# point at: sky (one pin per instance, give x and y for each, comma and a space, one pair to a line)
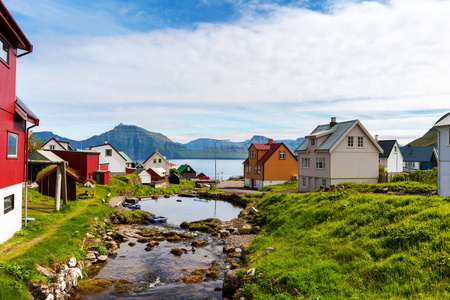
231, 69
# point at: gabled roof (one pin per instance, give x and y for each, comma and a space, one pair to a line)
156, 171
443, 121
335, 134
107, 144
418, 154
139, 171
12, 31
45, 156
127, 158
69, 173
245, 162
154, 153
387, 146
25, 112
183, 168
261, 146
52, 139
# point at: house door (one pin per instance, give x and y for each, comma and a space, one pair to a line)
97, 178
253, 183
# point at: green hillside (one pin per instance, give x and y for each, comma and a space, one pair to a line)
351, 245
429, 139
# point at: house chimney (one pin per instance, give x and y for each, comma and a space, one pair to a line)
376, 137
57, 139
333, 121
106, 142
270, 141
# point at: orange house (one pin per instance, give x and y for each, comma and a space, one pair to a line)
269, 164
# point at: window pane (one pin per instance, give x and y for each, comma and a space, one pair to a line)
4, 50
8, 203
12, 144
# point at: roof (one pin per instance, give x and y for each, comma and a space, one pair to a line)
102, 160
12, 31
443, 121
139, 171
44, 155
154, 153
183, 168
107, 144
261, 146
245, 162
387, 146
419, 154
25, 112
68, 172
157, 170
127, 158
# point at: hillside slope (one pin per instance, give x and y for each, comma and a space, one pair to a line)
428, 139
350, 245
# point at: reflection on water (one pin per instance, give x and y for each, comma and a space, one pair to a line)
153, 274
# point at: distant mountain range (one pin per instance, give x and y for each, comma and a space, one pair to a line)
139, 143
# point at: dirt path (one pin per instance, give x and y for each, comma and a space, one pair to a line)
235, 187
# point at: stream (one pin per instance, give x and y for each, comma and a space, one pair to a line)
154, 274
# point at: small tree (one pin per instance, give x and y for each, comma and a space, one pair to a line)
34, 143
174, 171
382, 174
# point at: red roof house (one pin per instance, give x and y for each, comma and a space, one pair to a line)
14, 115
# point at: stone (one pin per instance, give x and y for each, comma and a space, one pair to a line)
131, 244
246, 229
224, 234
107, 222
90, 235
102, 258
236, 232
199, 243
228, 249
46, 272
72, 262
184, 225
230, 229
256, 229
120, 237
250, 272
91, 256
217, 289
193, 279
234, 266
230, 283
176, 251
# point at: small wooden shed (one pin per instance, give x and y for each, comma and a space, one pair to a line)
187, 172
174, 178
47, 183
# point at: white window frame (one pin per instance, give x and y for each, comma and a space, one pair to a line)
304, 183
259, 169
16, 137
7, 209
312, 141
305, 162
320, 163
4, 51
256, 169
324, 182
252, 154
360, 142
108, 152
350, 142
282, 154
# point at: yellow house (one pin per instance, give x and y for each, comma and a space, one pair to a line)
268, 164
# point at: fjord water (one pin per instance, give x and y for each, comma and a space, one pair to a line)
225, 167
153, 274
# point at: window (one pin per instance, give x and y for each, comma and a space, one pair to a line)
159, 160
4, 51
189, 169
324, 182
249, 169
281, 155
395, 148
313, 142
305, 162
256, 169
259, 169
360, 142
154, 160
304, 182
320, 163
8, 202
108, 152
350, 143
52, 147
252, 154
12, 144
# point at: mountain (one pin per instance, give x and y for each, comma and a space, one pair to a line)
428, 139
139, 143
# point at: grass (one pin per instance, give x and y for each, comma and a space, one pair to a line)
55, 236
351, 245
288, 185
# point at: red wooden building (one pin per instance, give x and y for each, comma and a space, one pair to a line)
83, 162
14, 115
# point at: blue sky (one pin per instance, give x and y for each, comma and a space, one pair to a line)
234, 68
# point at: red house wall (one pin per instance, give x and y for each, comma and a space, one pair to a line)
82, 162
11, 168
104, 167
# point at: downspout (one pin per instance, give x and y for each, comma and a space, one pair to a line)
26, 170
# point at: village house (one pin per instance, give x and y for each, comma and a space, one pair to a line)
419, 158
337, 152
146, 178
14, 115
186, 172
55, 144
157, 160
116, 162
391, 158
443, 128
267, 164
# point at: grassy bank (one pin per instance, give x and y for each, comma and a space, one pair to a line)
56, 236
351, 245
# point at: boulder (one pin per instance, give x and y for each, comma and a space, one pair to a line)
199, 243
176, 251
246, 229
102, 258
48, 273
184, 225
132, 200
230, 283
224, 234
229, 249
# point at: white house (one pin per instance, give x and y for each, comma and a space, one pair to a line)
116, 162
391, 158
157, 160
55, 144
146, 178
443, 128
337, 152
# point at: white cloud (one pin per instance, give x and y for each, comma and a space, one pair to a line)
281, 74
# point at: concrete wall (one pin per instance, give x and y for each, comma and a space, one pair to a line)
12, 220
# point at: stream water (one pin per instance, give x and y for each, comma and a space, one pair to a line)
153, 274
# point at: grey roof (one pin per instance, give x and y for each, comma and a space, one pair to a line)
444, 120
339, 130
419, 154
387, 146
139, 171
44, 155
26, 109
127, 158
